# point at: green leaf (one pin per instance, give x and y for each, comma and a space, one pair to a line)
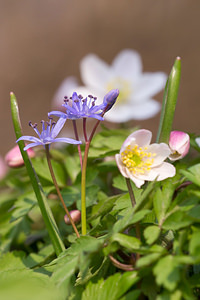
112, 288
149, 287
104, 206
41, 167
72, 165
26, 284
149, 259
162, 199
192, 174
23, 205
78, 256
194, 246
141, 202
129, 219
129, 242
177, 295
167, 272
122, 202
151, 234
177, 220
133, 295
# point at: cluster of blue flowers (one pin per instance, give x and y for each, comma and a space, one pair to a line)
77, 107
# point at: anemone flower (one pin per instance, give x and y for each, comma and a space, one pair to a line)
140, 161
136, 88
50, 130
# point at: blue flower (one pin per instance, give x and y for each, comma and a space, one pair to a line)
48, 134
78, 107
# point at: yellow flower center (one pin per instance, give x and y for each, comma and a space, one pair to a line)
124, 87
137, 159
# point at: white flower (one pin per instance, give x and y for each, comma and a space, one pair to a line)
125, 73
140, 161
179, 143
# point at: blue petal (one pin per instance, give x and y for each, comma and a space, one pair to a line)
58, 114
28, 138
59, 125
66, 140
32, 145
95, 116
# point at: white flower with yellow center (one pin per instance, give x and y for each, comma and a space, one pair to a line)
140, 161
136, 88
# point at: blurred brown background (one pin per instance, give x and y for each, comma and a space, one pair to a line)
42, 42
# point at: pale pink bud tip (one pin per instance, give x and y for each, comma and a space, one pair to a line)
14, 158
179, 143
75, 215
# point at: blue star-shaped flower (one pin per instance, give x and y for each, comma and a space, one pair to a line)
78, 107
48, 134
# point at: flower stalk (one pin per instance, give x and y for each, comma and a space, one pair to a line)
58, 190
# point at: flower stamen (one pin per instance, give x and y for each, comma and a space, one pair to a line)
137, 159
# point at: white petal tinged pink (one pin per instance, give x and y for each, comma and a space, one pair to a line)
140, 137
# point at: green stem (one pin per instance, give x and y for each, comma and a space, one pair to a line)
58, 190
130, 190
137, 225
169, 102
83, 192
46, 212
84, 168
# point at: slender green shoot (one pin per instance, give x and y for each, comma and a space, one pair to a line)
169, 102
46, 212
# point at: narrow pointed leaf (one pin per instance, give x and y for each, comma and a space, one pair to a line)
42, 201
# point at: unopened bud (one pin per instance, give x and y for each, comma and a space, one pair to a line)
14, 158
3, 168
179, 143
110, 98
75, 215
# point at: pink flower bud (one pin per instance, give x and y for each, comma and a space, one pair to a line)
14, 158
3, 168
75, 215
179, 143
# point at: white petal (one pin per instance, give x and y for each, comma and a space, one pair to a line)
138, 181
133, 111
127, 64
67, 87
197, 140
160, 172
95, 73
140, 137
162, 151
121, 167
149, 84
